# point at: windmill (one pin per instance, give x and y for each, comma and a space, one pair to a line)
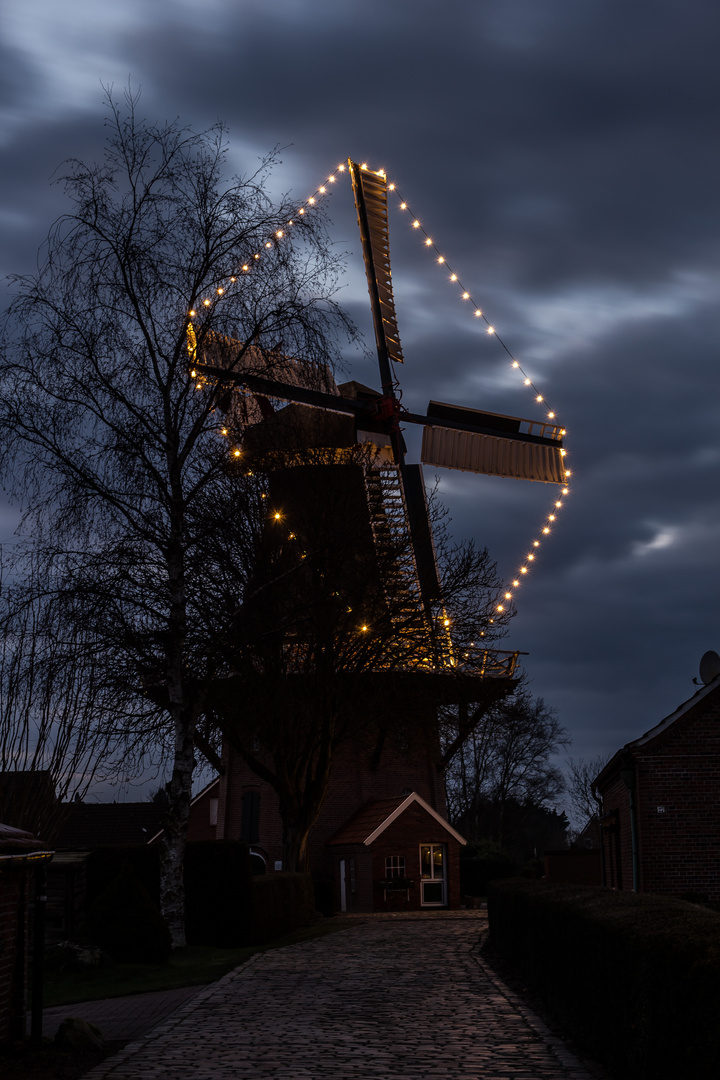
454, 437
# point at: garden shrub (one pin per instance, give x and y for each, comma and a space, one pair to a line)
634, 977
125, 922
481, 862
218, 893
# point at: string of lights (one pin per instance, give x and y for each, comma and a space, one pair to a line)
323, 190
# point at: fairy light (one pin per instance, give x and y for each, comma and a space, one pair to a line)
441, 260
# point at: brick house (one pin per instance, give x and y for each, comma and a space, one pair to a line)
380, 820
661, 812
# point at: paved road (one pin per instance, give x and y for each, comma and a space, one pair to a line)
384, 999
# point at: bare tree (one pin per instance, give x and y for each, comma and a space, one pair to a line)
506, 758
110, 449
61, 726
583, 803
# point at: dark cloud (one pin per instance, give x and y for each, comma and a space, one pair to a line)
563, 157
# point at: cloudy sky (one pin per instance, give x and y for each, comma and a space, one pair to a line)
563, 156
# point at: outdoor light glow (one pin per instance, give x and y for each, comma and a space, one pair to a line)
491, 329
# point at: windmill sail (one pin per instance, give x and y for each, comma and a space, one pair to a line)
490, 443
370, 191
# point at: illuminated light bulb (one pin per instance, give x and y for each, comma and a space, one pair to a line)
291, 222
311, 200
301, 210
539, 397
477, 313
531, 557
220, 292
279, 233
551, 416
546, 530
491, 329
508, 596
256, 256
551, 516
558, 504
568, 473
441, 259
224, 431
236, 453
536, 543
523, 569
499, 608
527, 382
193, 314
515, 363
233, 279
562, 453
392, 187
562, 430
453, 277
276, 516
403, 206
446, 622
291, 536
364, 628
364, 165
566, 491
516, 583
341, 168
246, 267
331, 179
416, 224
321, 190
466, 296
206, 303
268, 244
428, 242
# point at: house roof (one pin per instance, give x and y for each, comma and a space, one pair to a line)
613, 765
18, 842
375, 816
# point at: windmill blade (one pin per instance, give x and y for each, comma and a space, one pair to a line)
493, 444
370, 191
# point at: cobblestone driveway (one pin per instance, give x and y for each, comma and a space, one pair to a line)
384, 999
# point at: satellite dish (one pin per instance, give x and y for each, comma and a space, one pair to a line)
709, 666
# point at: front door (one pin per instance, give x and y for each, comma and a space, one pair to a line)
433, 884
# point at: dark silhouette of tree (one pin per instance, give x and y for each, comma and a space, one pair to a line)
109, 447
504, 770
583, 803
328, 645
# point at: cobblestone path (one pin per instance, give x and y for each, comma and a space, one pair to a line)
384, 999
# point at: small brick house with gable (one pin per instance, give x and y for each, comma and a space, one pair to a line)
376, 824
661, 804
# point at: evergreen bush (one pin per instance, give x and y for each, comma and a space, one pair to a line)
218, 893
125, 922
634, 977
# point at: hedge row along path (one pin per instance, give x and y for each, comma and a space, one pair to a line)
389, 998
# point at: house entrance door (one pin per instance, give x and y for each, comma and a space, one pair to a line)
433, 874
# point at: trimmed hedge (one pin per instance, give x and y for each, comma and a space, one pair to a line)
125, 922
281, 903
634, 977
225, 904
218, 893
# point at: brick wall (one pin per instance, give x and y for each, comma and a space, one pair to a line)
678, 806
401, 770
